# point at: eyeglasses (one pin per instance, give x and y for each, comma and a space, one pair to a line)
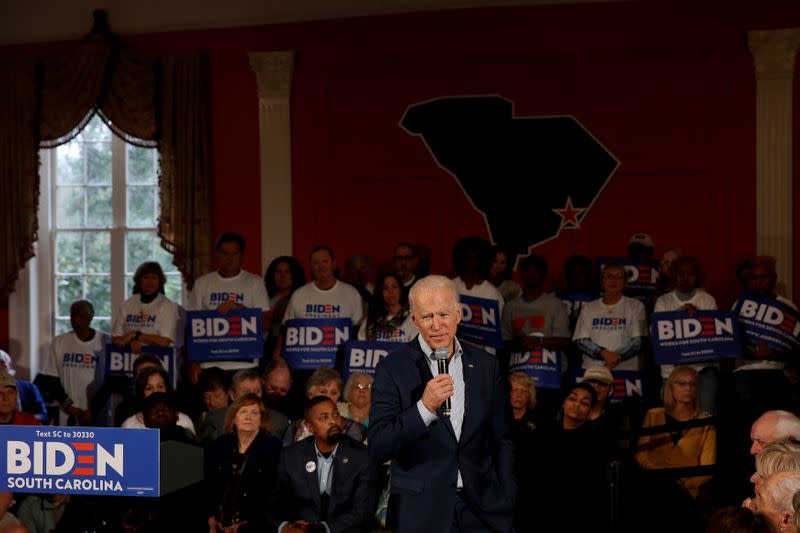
362, 386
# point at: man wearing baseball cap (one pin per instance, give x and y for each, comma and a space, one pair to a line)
9, 415
641, 246
613, 418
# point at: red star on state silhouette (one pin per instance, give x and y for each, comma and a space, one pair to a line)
569, 215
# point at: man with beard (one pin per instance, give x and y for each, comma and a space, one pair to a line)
326, 483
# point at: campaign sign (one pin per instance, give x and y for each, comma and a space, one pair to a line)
627, 385
480, 321
543, 365
682, 339
573, 301
119, 361
78, 460
770, 320
364, 356
215, 336
642, 274
309, 343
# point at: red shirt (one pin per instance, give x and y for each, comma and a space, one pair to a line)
21, 418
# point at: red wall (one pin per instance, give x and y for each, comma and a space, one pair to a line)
669, 90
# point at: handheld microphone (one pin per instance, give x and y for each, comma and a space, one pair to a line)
440, 354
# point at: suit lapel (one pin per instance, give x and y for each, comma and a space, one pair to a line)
312, 477
472, 400
425, 375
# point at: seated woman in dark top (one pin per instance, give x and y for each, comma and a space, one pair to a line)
241, 467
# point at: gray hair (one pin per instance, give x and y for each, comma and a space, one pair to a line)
778, 456
430, 283
782, 488
786, 424
351, 381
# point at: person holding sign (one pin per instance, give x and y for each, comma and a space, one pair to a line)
147, 317
388, 317
472, 261
611, 329
230, 287
687, 277
449, 472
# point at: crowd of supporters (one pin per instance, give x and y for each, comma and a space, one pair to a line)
286, 450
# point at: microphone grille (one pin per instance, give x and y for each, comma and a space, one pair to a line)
440, 353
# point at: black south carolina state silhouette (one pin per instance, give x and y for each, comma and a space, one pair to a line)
530, 176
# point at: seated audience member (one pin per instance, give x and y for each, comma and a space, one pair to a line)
9, 522
280, 392
572, 455
284, 276
247, 381
29, 398
325, 483
523, 435
120, 389
778, 456
614, 420
325, 381
537, 320
149, 381
501, 274
773, 426
241, 468
774, 497
159, 411
615, 341
736, 519
230, 287
9, 398
214, 385
388, 317
688, 295
678, 447
42, 513
358, 395
147, 317
67, 374
472, 259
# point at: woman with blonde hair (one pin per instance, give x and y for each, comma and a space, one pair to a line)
677, 446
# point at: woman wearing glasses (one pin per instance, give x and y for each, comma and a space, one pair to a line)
611, 329
358, 395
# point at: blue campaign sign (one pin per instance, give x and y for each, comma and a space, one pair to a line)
309, 343
706, 336
77, 460
543, 365
627, 385
119, 361
364, 356
480, 321
642, 274
770, 320
573, 301
215, 336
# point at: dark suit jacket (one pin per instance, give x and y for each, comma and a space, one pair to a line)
426, 460
351, 506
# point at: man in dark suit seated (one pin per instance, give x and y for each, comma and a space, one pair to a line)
451, 470
326, 483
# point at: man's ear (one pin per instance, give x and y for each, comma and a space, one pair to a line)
787, 522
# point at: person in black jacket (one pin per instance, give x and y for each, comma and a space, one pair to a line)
240, 468
328, 480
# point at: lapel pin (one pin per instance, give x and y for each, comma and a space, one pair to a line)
346, 460
470, 365
311, 466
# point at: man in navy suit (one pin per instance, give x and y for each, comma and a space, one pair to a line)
326, 482
449, 473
